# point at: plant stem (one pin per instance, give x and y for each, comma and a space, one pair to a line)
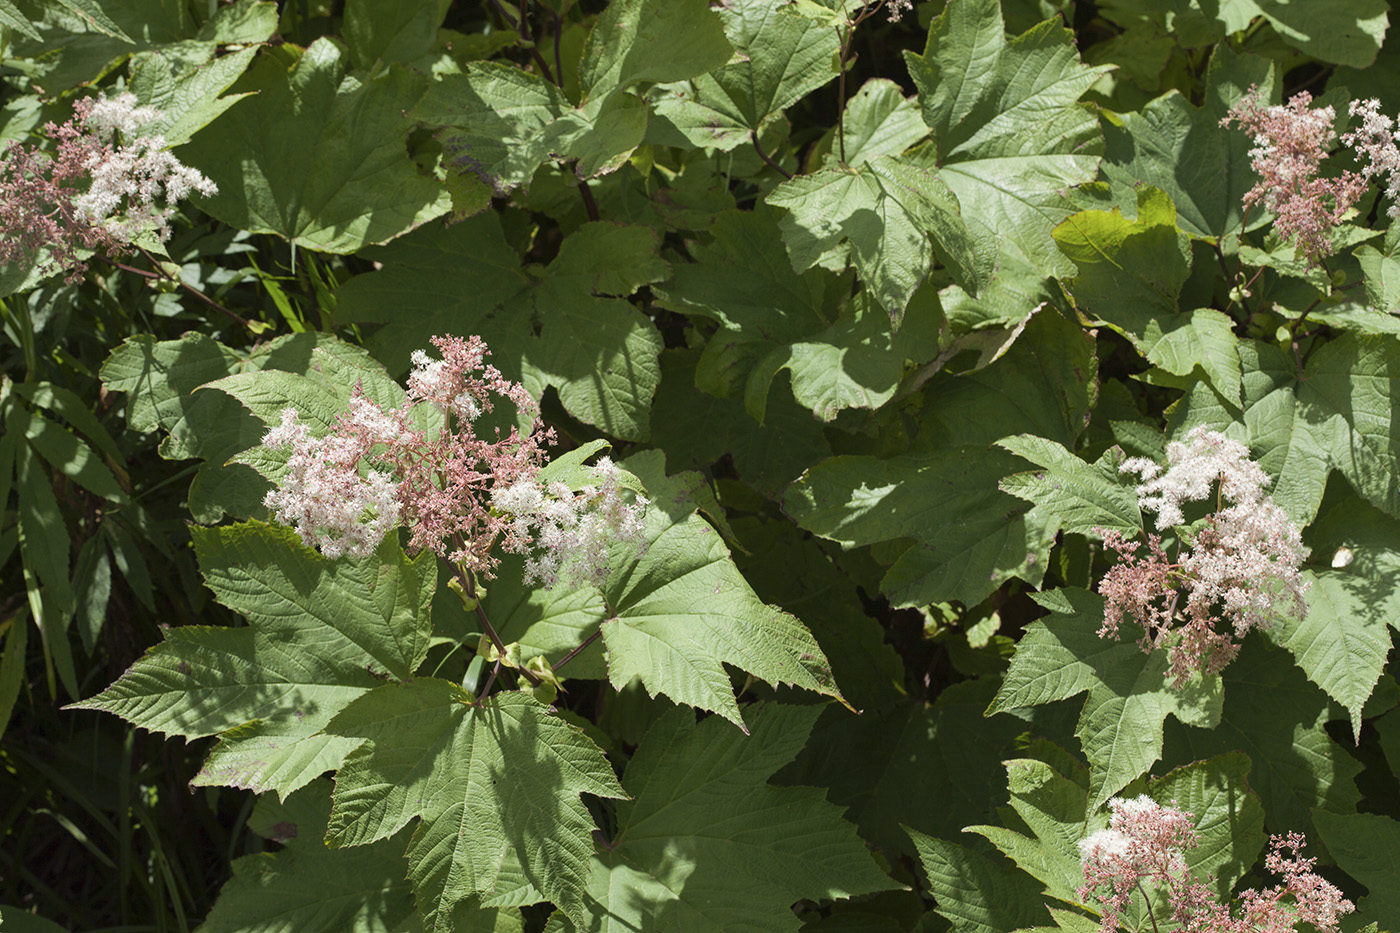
589, 205
579, 650
161, 273
1148, 902
753, 135
840, 96
490, 680
470, 589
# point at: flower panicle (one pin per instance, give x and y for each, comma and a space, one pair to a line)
464, 495
1146, 845
1241, 570
106, 184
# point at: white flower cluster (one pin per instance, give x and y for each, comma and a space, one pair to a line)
1192, 471
574, 529
131, 179
1375, 143
1248, 555
332, 507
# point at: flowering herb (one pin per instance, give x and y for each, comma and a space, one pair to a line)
1239, 570
460, 494
1145, 845
105, 186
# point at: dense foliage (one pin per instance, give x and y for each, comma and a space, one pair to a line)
672, 465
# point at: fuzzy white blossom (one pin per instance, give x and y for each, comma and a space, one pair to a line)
324, 497
1193, 469
135, 181
572, 531
1374, 142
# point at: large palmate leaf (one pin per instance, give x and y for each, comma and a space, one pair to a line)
772, 319
682, 611
977, 893
483, 779
310, 888
706, 844
500, 124
779, 59
1277, 718
886, 210
948, 750
1056, 816
1337, 416
968, 535
187, 103
1128, 693
600, 352
439, 279
1183, 150
1130, 272
1344, 639
1345, 32
1084, 498
318, 156
1364, 846
1008, 134
320, 634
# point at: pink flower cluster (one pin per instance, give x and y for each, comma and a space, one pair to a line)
1146, 843
459, 493
1241, 567
103, 186
1290, 142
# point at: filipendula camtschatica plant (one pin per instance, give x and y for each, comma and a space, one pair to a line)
464, 496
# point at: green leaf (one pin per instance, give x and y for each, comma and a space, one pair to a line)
978, 894
1277, 718
600, 353
1056, 812
318, 156
481, 779
1343, 640
187, 102
439, 279
66, 453
1229, 816
1364, 845
1182, 149
682, 611
651, 41
713, 846
1128, 695
502, 124
1130, 272
773, 319
695, 429
384, 31
969, 535
885, 209
779, 59
306, 887
1344, 32
12, 667
1038, 377
1205, 339
947, 749
12, 17
879, 121
321, 633
1009, 137
546, 622
1080, 496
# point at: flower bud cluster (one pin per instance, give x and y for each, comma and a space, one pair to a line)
103, 187
461, 494
1146, 843
1242, 567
